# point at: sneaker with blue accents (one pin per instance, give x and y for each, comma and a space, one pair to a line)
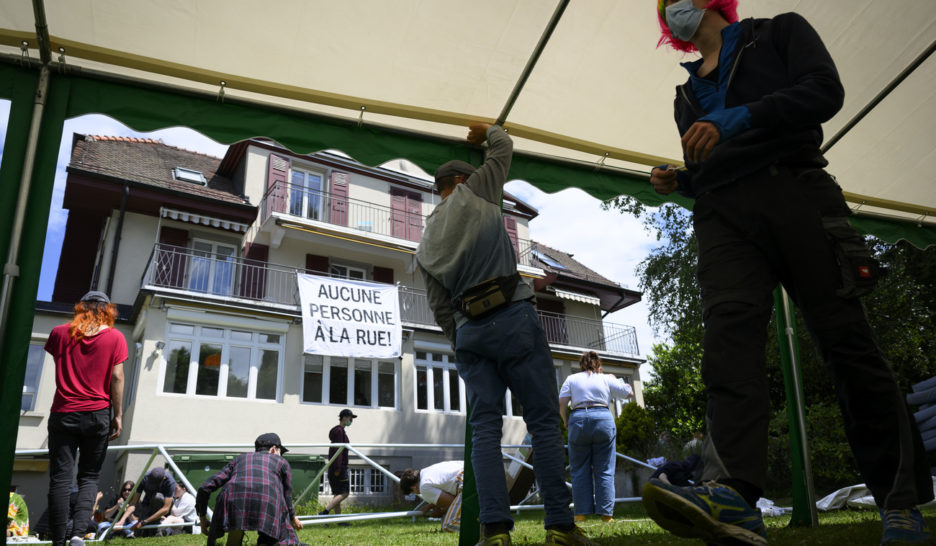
905, 527
712, 512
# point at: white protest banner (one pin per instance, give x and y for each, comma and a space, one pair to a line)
349, 318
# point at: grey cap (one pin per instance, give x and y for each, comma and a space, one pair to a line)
94, 295
268, 440
454, 167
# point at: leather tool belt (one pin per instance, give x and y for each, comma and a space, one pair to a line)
487, 297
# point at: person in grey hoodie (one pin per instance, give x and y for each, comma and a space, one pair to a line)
486, 312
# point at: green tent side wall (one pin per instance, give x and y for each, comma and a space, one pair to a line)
146, 109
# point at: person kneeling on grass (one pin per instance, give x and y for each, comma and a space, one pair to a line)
257, 497
440, 485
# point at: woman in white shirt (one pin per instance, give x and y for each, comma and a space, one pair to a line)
592, 435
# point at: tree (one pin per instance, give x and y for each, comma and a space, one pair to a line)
901, 310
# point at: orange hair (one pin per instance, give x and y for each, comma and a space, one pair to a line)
90, 315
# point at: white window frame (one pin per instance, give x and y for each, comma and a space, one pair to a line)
212, 267
36, 351
351, 365
348, 269
304, 201
445, 366
189, 175
366, 475
226, 341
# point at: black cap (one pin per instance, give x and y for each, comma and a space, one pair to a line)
268, 440
94, 295
454, 167
346, 413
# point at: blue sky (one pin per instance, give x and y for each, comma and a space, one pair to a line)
571, 221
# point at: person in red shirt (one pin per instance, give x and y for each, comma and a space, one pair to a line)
86, 411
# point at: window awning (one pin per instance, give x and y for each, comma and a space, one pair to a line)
577, 296
202, 219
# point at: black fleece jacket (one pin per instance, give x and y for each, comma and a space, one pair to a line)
785, 76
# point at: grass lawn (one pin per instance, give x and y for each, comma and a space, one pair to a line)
631, 526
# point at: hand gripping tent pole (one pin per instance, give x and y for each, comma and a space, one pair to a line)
471, 510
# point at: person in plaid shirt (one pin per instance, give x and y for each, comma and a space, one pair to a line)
258, 497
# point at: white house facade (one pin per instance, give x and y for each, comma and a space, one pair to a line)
202, 255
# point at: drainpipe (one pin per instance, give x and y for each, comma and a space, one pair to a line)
99, 253
11, 267
116, 246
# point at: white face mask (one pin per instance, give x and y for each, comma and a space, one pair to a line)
683, 19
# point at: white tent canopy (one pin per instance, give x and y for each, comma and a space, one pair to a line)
600, 87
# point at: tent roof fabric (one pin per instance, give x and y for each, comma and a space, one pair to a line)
599, 94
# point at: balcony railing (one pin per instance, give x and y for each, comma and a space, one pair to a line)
193, 272
203, 273
321, 206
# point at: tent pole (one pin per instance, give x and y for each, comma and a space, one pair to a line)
528, 69
804, 495
11, 267
880, 96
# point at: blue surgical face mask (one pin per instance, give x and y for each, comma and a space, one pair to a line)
683, 19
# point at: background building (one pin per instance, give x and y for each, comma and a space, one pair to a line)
201, 256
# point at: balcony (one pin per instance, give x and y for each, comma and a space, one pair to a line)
319, 206
187, 272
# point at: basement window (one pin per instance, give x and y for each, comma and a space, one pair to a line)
189, 175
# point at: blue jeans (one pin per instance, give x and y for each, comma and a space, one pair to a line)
509, 350
592, 457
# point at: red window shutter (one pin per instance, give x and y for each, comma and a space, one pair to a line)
406, 214
338, 213
316, 264
510, 223
383, 274
397, 213
277, 184
171, 258
254, 271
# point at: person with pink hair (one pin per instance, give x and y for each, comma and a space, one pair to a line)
766, 212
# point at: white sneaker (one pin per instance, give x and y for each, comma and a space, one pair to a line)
76, 541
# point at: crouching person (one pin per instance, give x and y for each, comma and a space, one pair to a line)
257, 497
440, 485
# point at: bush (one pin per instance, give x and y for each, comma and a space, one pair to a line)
833, 465
636, 432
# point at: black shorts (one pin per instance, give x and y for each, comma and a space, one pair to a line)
338, 482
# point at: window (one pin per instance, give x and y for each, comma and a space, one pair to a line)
341, 381
131, 372
34, 358
212, 268
222, 362
346, 272
189, 175
362, 481
547, 260
367, 481
305, 194
438, 387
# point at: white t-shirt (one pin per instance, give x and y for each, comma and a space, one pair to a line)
184, 507
586, 388
435, 479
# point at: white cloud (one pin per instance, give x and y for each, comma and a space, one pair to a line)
606, 241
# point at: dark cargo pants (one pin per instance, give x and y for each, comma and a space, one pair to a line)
752, 234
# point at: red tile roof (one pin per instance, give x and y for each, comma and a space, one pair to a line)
150, 162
